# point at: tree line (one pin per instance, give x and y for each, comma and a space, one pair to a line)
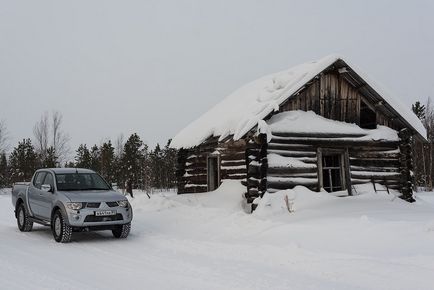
423, 156
129, 161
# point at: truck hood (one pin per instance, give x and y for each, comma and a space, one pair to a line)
93, 195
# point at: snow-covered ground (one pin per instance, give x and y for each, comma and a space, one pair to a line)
206, 241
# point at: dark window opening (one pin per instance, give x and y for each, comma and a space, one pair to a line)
213, 173
368, 118
332, 172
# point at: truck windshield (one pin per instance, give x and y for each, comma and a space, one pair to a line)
80, 181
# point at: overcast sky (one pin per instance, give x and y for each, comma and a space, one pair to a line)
152, 67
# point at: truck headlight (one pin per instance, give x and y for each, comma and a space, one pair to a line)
74, 205
123, 203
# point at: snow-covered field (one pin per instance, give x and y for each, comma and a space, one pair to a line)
206, 241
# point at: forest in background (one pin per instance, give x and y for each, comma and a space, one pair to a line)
129, 160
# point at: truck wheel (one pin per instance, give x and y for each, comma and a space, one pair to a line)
122, 231
23, 221
62, 232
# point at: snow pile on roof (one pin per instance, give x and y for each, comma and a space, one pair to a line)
239, 112
309, 122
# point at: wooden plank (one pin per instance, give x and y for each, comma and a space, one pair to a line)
288, 153
290, 170
376, 176
374, 168
291, 183
374, 162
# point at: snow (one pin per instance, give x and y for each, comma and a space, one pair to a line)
309, 122
207, 241
241, 111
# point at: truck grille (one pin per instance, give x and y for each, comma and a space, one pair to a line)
93, 204
94, 219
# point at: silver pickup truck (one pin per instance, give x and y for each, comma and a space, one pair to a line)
71, 199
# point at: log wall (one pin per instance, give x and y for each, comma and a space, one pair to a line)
192, 164
368, 161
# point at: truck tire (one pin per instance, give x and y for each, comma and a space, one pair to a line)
62, 232
23, 221
122, 231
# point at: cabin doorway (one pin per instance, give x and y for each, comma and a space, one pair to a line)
213, 174
332, 171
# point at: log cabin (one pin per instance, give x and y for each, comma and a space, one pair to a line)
323, 125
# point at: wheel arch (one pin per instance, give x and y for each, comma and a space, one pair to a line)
59, 207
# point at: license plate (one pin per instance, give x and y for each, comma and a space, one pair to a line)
105, 212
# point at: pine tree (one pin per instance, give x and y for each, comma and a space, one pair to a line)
23, 161
4, 174
83, 158
107, 158
157, 163
94, 158
419, 110
146, 169
170, 156
50, 160
131, 159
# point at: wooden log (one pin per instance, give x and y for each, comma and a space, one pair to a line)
290, 170
285, 183
233, 162
376, 176
233, 171
253, 182
374, 154
235, 156
374, 162
283, 174
195, 165
288, 153
241, 176
196, 171
290, 147
374, 168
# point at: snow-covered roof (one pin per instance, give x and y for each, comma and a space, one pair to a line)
241, 111
308, 122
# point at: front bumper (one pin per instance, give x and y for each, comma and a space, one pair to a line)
86, 217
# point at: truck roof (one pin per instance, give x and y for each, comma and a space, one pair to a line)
68, 170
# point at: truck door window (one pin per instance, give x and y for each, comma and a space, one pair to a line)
37, 182
49, 180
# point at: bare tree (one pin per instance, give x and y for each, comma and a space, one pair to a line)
40, 132
119, 145
60, 139
50, 136
4, 135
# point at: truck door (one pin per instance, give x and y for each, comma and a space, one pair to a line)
35, 193
47, 197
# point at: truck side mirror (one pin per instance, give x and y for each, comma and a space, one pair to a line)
46, 188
